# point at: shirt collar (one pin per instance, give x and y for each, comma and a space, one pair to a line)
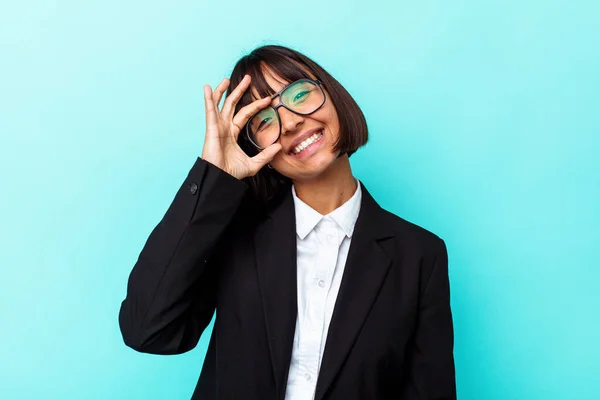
345, 215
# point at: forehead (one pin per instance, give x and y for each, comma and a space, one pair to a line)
268, 82
275, 82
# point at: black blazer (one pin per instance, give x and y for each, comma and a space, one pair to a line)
391, 333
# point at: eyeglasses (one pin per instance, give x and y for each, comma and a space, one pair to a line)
303, 97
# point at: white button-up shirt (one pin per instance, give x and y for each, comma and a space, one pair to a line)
322, 248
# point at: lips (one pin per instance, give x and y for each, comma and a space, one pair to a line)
307, 143
301, 138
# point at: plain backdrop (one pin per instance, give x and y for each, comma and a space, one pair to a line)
484, 121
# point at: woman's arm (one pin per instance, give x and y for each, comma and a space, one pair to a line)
431, 374
171, 292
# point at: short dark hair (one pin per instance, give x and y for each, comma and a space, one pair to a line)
291, 65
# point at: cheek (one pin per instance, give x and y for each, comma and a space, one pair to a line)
278, 160
330, 118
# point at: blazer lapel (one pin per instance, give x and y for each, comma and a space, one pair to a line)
366, 267
275, 245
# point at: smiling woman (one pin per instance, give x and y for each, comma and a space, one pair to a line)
283, 75
319, 293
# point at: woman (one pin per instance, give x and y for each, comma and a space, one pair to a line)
319, 293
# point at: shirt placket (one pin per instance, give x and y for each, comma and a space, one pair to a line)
328, 246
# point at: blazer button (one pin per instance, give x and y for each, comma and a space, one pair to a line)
193, 188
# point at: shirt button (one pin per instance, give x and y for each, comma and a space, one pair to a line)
193, 188
307, 376
330, 238
322, 283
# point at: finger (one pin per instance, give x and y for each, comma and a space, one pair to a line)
246, 112
219, 90
234, 97
209, 107
265, 156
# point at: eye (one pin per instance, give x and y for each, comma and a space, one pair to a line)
301, 95
263, 123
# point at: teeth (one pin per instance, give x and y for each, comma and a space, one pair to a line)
308, 142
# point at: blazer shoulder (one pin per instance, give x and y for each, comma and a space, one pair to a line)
412, 234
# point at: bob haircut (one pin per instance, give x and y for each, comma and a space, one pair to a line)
268, 184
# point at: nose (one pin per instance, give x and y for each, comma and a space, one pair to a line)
289, 120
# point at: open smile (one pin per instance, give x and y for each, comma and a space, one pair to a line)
307, 145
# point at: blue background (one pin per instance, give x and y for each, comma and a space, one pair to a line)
484, 121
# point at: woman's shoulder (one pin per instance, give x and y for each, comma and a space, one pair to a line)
406, 231
413, 234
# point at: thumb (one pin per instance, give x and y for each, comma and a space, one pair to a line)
265, 156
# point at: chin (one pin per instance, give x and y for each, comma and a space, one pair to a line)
306, 169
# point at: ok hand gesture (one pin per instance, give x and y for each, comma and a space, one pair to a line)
222, 130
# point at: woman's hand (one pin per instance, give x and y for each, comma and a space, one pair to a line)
222, 130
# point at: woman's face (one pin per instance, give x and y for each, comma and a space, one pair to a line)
314, 135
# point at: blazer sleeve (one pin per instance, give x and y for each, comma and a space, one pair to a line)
171, 291
431, 374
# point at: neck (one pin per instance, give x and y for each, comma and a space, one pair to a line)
330, 189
